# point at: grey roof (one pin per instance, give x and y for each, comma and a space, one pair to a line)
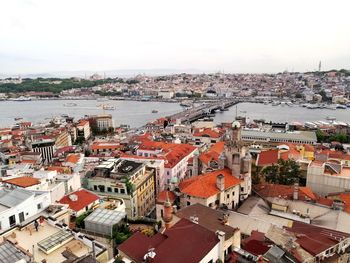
105, 217
297, 135
10, 253
13, 197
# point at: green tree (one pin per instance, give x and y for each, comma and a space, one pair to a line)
320, 136
284, 172
121, 233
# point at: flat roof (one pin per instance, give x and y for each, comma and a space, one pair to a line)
296, 135
28, 239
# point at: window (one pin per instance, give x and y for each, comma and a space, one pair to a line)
233, 193
95, 187
242, 189
188, 203
12, 220
38, 206
122, 191
109, 189
116, 190
228, 196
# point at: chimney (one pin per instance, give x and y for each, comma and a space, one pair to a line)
220, 182
221, 237
296, 191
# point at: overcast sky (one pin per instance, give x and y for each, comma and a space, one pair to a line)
39, 36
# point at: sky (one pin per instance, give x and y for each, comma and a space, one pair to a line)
236, 36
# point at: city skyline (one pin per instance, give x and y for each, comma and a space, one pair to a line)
234, 37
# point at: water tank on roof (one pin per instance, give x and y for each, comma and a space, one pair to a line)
73, 197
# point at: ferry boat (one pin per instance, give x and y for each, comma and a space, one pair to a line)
108, 107
70, 104
340, 106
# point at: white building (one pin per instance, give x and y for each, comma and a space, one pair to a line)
17, 205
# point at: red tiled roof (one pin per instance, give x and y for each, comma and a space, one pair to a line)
85, 198
83, 122
284, 191
213, 153
163, 195
105, 145
24, 181
173, 153
208, 133
183, 242
315, 239
204, 185
267, 157
73, 158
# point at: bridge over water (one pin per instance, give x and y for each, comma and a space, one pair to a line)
204, 110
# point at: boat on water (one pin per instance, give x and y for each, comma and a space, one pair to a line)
348, 105
186, 104
18, 119
70, 104
341, 106
275, 103
64, 116
102, 99
22, 98
266, 102
330, 107
331, 118
154, 111
108, 107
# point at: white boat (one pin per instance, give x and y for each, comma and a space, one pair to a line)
275, 103
70, 104
22, 98
108, 107
331, 118
330, 107
340, 106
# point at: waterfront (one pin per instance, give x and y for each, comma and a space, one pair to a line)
281, 113
137, 113
133, 113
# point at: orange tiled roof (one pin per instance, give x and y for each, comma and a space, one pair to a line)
73, 158
162, 196
24, 181
267, 157
83, 122
283, 191
213, 153
204, 186
207, 133
105, 145
173, 153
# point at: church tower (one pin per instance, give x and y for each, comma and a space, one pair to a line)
238, 159
168, 212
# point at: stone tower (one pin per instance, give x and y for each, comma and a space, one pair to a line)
168, 212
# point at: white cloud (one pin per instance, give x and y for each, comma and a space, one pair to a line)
238, 36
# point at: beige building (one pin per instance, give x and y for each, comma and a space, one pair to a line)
128, 180
328, 177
